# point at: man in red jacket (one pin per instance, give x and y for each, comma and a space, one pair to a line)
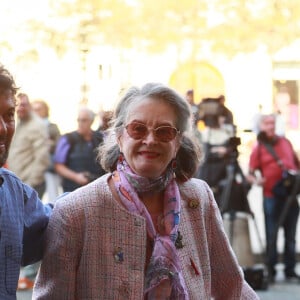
270, 156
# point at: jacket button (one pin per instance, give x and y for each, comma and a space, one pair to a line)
137, 222
194, 203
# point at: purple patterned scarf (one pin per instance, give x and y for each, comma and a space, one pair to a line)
164, 278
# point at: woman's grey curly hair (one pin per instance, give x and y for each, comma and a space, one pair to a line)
188, 155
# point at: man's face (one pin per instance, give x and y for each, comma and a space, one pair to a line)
268, 126
23, 108
7, 124
84, 122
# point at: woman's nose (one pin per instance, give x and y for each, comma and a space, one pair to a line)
150, 137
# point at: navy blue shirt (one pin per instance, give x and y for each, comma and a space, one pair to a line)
23, 220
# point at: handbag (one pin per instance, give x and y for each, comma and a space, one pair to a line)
284, 186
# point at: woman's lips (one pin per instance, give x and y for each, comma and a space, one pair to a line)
149, 154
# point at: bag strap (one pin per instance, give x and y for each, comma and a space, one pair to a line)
274, 154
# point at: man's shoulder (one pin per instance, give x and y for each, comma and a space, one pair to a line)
97, 133
284, 140
34, 119
36, 124
9, 174
72, 137
10, 179
53, 126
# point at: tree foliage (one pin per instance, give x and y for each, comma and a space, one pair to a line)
223, 26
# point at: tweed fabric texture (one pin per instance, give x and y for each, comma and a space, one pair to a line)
96, 249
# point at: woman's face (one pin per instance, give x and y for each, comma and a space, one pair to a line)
148, 156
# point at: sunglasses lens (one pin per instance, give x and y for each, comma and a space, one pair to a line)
165, 133
136, 130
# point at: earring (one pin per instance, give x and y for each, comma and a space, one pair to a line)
121, 157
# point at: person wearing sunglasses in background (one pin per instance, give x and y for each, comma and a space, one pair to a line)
146, 229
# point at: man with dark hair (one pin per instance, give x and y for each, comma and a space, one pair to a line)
23, 217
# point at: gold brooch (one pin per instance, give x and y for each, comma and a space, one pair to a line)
194, 203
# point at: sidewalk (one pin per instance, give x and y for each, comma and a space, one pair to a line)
282, 289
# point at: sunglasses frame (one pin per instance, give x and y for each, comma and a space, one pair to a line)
154, 132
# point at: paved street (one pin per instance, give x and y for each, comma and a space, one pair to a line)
282, 290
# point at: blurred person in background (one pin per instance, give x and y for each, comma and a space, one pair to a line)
266, 170
41, 108
215, 144
147, 229
75, 154
225, 112
189, 96
23, 217
29, 159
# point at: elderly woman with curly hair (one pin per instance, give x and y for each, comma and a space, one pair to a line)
146, 229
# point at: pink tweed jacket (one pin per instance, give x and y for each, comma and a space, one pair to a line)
96, 249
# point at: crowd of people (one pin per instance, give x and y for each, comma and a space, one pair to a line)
133, 209
271, 157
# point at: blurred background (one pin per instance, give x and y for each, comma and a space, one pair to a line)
75, 52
